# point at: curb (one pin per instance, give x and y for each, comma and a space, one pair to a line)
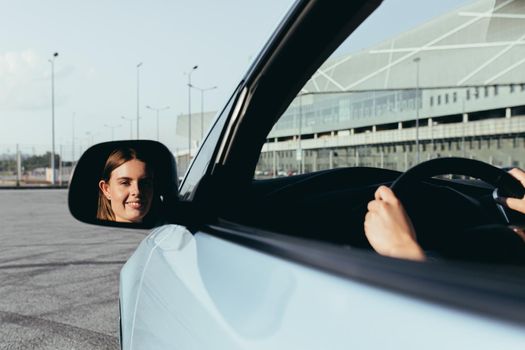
33, 187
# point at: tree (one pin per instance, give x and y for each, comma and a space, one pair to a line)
40, 161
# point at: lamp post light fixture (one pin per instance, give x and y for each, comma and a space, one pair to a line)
189, 111
112, 127
52, 61
158, 110
138, 97
130, 120
202, 106
417, 60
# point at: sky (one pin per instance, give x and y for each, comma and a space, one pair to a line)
100, 43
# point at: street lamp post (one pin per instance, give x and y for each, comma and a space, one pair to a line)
112, 127
73, 141
189, 112
301, 160
417, 60
202, 106
91, 138
130, 120
432, 125
158, 110
464, 119
52, 61
138, 97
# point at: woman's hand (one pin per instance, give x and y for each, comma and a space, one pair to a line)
517, 204
389, 229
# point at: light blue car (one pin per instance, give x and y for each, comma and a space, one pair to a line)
280, 260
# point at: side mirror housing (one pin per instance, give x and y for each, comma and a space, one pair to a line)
142, 201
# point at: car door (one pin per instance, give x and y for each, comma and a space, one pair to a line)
225, 288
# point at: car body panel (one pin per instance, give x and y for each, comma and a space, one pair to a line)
201, 292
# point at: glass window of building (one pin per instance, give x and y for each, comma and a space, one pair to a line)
390, 73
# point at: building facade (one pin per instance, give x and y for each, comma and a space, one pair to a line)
454, 86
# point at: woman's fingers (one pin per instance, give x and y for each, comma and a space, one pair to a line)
517, 204
371, 205
513, 203
519, 175
385, 193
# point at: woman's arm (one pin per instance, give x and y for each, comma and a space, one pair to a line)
391, 233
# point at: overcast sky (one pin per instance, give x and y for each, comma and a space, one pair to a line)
100, 43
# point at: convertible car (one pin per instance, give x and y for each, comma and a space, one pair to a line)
241, 257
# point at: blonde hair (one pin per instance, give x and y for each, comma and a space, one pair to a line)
116, 158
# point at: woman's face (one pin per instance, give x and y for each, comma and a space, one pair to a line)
129, 190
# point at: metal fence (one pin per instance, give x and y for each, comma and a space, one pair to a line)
30, 165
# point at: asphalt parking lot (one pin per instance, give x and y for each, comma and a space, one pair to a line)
59, 277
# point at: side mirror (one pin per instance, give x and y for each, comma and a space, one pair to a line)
125, 184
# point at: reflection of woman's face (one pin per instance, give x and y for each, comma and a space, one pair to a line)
130, 191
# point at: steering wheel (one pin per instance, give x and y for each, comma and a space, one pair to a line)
486, 243
505, 184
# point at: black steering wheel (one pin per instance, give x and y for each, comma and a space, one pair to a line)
486, 243
505, 185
